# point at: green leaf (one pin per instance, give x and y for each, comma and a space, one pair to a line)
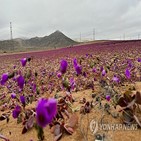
40, 132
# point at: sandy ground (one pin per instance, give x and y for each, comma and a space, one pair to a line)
12, 130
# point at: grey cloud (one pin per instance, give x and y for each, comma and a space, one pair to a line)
110, 18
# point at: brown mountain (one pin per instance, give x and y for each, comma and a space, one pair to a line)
54, 40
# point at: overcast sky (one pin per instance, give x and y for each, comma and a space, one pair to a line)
110, 18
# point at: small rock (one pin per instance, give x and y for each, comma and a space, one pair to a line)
93, 95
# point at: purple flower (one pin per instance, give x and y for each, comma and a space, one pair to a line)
103, 72
74, 62
115, 79
59, 74
23, 61
78, 69
63, 66
130, 65
127, 73
139, 59
101, 68
13, 95
43, 72
45, 111
20, 90
20, 81
108, 97
72, 83
22, 99
16, 111
14, 78
4, 78
41, 113
9, 86
14, 66
94, 70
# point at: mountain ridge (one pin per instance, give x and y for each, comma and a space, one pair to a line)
55, 40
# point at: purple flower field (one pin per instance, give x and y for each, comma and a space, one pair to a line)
53, 95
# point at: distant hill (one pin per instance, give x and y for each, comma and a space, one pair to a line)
54, 40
